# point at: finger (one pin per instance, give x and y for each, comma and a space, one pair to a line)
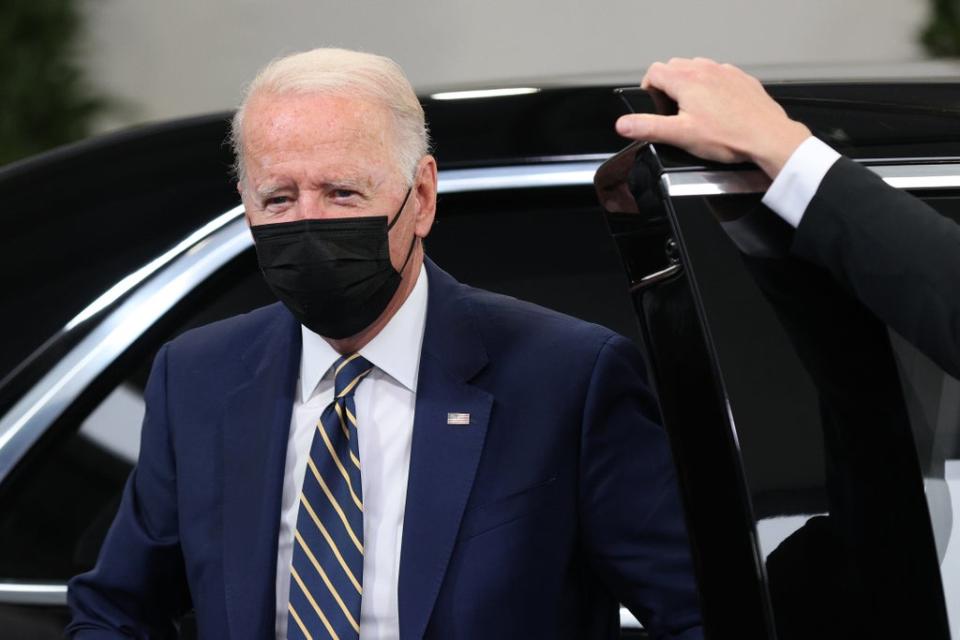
650, 128
668, 78
661, 70
645, 83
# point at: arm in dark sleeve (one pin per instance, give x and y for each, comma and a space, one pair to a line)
632, 517
137, 588
896, 254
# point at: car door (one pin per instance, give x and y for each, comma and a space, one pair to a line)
818, 464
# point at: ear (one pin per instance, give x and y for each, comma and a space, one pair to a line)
425, 192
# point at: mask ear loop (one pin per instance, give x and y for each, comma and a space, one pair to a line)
415, 238
400, 210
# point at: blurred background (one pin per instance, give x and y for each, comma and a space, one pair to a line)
72, 68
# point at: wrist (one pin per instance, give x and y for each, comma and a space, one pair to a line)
779, 146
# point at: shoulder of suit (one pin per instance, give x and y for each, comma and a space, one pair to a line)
504, 319
230, 335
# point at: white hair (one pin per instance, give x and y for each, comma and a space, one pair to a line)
342, 72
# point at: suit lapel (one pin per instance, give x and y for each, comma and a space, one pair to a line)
255, 428
444, 457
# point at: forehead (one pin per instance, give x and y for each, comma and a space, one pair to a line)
283, 128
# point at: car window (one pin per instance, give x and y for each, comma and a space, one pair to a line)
550, 246
57, 505
932, 399
79, 218
847, 434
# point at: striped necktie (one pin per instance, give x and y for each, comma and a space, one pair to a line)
326, 573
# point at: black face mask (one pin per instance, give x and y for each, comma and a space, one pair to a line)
333, 274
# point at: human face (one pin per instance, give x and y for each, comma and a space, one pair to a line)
316, 156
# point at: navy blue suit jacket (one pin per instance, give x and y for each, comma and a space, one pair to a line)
556, 501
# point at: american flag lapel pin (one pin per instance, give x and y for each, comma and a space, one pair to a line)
458, 418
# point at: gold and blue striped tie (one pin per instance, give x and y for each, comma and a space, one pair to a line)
326, 573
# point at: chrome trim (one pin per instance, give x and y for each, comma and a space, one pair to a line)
920, 176
628, 620
580, 157
714, 183
518, 177
35, 594
117, 291
684, 184
655, 277
38, 408
473, 94
160, 284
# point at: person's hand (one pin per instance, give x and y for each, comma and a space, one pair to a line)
723, 114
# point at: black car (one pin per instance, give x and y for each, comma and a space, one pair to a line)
816, 505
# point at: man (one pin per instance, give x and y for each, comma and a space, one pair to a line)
899, 257
388, 453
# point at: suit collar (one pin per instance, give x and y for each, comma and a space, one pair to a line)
395, 350
451, 334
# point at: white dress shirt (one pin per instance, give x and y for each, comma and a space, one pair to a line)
385, 403
798, 181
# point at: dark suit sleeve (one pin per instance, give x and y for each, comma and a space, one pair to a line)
631, 513
137, 588
896, 254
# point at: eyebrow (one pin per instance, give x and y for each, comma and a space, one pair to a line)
361, 184
265, 192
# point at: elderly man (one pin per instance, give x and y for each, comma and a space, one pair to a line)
387, 453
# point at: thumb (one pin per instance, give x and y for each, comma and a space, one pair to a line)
648, 127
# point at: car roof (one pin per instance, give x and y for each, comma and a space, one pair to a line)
768, 73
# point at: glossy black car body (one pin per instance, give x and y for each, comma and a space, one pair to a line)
114, 246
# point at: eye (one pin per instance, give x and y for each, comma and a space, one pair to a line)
277, 201
343, 194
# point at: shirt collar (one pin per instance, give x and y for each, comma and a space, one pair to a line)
395, 350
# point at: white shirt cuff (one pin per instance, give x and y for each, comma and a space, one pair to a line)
798, 181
